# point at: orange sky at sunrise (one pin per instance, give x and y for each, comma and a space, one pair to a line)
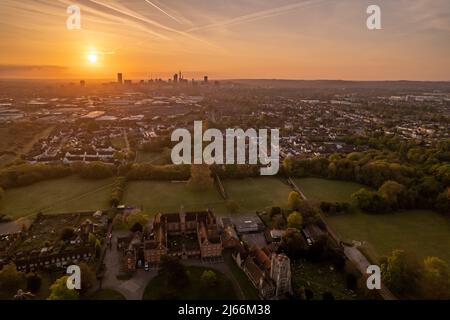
286, 39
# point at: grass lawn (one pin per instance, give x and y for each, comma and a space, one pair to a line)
319, 279
423, 233
223, 290
57, 196
328, 190
147, 156
107, 294
166, 196
156, 158
256, 194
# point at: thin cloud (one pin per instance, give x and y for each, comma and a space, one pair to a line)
163, 11
151, 22
4, 68
256, 15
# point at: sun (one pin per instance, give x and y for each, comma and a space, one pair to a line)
92, 58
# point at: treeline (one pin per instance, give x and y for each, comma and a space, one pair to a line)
414, 186
26, 174
409, 277
236, 171
145, 171
117, 191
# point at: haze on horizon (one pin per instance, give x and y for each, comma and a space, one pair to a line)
283, 39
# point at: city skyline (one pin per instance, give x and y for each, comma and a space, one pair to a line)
246, 39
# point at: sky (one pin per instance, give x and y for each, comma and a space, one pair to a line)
226, 39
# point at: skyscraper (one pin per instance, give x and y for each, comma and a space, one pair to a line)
205, 79
175, 78
119, 78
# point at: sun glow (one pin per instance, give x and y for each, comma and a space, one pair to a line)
92, 58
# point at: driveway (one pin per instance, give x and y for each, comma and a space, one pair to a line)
132, 289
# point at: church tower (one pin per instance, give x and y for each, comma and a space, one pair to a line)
280, 272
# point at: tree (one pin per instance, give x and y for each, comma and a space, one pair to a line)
92, 238
294, 200
174, 272
293, 244
11, 279
208, 278
443, 202
370, 201
275, 211
67, 234
301, 293
295, 220
137, 217
392, 192
59, 290
87, 277
201, 178
137, 227
34, 282
400, 272
436, 279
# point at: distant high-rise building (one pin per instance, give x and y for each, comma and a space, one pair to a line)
128, 82
119, 78
205, 79
175, 78
82, 83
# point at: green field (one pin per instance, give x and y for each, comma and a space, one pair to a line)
423, 233
254, 194
165, 196
156, 158
56, 196
147, 156
223, 290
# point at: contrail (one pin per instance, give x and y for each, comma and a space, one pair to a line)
153, 23
160, 9
256, 15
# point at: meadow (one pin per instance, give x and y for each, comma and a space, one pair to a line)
421, 232
257, 194
57, 196
165, 196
